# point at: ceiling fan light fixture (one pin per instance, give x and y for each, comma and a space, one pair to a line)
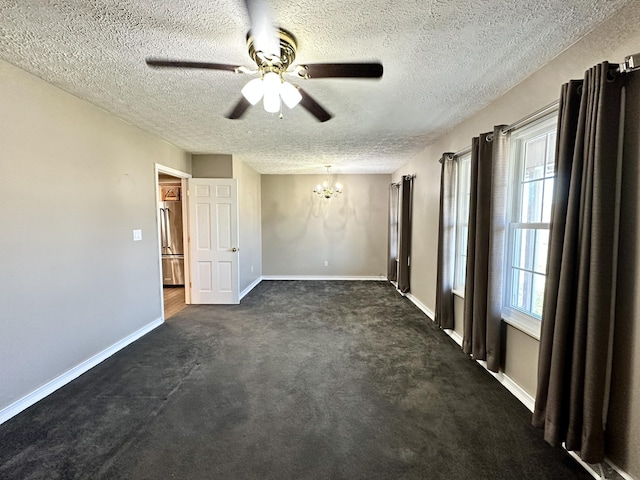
253, 91
290, 94
271, 83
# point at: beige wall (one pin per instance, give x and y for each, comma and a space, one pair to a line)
212, 166
75, 182
616, 38
249, 222
300, 231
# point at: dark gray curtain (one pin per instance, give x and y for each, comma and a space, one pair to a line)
485, 249
392, 261
404, 254
446, 242
580, 291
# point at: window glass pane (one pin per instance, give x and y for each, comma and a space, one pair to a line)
523, 248
464, 235
547, 199
462, 270
535, 157
462, 220
521, 289
461, 257
551, 154
464, 207
531, 206
541, 250
538, 294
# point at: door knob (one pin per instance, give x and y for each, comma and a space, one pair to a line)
234, 249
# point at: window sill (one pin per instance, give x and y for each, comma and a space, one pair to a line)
523, 322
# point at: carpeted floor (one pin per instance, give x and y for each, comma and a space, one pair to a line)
303, 380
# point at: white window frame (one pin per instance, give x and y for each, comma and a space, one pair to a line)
462, 196
520, 319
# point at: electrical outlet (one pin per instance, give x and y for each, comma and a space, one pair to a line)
137, 235
326, 263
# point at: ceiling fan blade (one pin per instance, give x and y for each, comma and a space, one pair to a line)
239, 110
345, 70
263, 31
313, 107
158, 62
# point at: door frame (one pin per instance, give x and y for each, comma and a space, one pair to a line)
183, 176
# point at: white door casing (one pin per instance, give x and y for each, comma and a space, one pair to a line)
213, 245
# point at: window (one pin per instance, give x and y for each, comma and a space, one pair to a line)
531, 193
462, 222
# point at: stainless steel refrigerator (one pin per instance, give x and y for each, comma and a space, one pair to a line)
172, 245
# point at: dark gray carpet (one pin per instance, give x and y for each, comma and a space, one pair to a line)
303, 380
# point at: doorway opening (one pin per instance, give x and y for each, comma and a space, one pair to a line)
172, 226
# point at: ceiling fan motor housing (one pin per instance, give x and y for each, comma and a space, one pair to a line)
268, 63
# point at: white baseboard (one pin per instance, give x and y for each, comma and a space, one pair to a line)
421, 306
454, 335
324, 277
25, 402
517, 391
619, 471
525, 398
249, 288
606, 470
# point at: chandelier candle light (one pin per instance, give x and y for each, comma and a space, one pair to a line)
326, 190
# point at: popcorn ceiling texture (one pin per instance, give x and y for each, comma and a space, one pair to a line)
444, 60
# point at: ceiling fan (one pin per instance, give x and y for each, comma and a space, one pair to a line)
274, 50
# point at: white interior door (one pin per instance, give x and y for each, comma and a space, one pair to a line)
213, 245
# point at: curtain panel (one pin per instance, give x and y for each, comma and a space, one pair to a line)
580, 292
446, 242
404, 253
485, 248
392, 257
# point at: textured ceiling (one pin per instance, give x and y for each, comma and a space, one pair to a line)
444, 60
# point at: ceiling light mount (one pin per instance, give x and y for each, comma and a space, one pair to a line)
271, 63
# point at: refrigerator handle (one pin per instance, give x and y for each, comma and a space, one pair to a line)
168, 230
163, 229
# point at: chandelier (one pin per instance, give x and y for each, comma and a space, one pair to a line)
326, 190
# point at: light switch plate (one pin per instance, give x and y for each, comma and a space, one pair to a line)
137, 235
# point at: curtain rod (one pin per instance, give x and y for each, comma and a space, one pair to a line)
532, 117
464, 151
451, 155
630, 64
547, 109
404, 177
